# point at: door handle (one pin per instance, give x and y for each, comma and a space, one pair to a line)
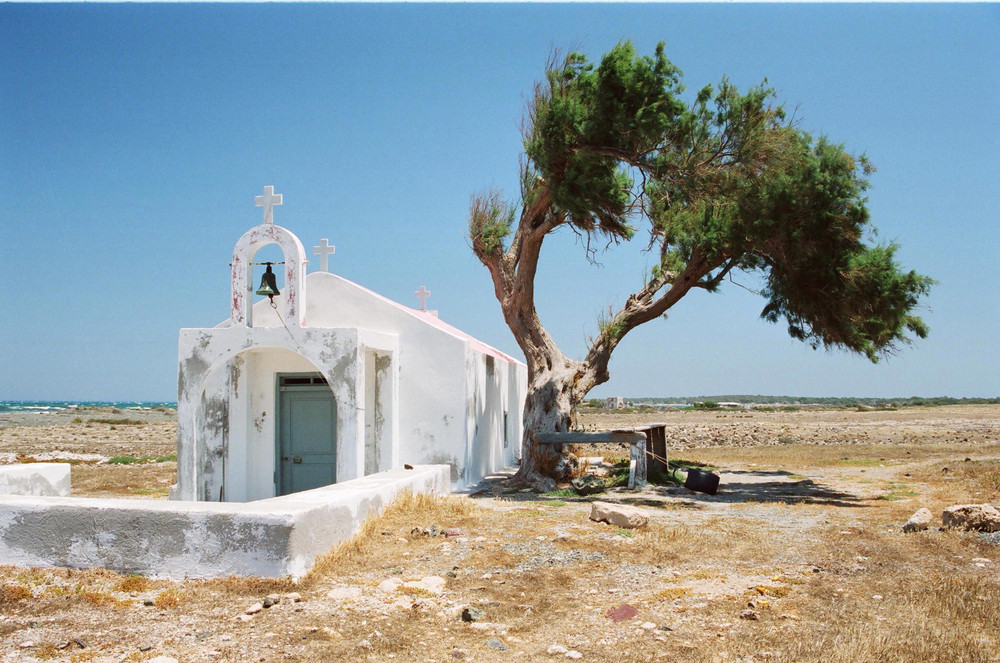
297, 460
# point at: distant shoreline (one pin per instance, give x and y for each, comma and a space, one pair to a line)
59, 406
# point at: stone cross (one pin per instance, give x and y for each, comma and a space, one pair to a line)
323, 250
268, 201
422, 295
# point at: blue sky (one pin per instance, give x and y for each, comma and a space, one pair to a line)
133, 139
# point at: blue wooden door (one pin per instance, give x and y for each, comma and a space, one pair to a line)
307, 435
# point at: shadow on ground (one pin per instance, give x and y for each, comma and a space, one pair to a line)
739, 486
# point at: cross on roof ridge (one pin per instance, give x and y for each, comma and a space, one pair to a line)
323, 250
422, 295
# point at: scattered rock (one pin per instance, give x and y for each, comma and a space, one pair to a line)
982, 560
344, 593
364, 644
749, 614
271, 600
471, 614
292, 597
433, 584
919, 521
547, 485
979, 517
556, 649
389, 585
588, 484
621, 613
452, 532
647, 626
162, 659
495, 644
618, 515
254, 609
572, 653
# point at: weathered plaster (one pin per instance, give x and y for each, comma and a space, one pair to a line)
270, 538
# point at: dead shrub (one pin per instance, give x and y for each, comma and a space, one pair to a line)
134, 584
400, 516
168, 598
245, 586
98, 599
14, 593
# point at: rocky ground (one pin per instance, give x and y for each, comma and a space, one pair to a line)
799, 557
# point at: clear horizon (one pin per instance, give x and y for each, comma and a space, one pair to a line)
133, 138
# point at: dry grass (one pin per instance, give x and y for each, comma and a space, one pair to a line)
816, 555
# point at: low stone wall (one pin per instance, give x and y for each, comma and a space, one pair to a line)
38, 479
276, 537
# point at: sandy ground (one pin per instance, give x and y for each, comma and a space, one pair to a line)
800, 557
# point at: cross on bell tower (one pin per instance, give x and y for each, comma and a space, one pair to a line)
268, 202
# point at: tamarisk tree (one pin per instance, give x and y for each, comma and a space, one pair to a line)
722, 181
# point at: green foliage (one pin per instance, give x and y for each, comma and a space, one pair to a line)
490, 221
706, 405
132, 460
724, 182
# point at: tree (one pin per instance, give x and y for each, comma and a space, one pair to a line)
722, 182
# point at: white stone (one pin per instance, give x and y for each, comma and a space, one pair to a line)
618, 515
433, 584
163, 659
648, 626
919, 521
556, 649
574, 654
389, 585
254, 609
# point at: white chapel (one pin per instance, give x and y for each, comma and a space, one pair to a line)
328, 381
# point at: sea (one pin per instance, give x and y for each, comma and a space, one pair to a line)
56, 406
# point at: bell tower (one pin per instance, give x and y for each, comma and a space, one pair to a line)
294, 297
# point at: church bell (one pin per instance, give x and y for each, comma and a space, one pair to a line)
268, 284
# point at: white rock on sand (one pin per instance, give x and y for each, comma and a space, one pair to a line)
618, 515
919, 521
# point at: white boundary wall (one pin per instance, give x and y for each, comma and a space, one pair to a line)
51, 479
278, 537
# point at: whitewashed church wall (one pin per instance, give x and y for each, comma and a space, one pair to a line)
517, 386
432, 397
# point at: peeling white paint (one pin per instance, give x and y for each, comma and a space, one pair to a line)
439, 394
